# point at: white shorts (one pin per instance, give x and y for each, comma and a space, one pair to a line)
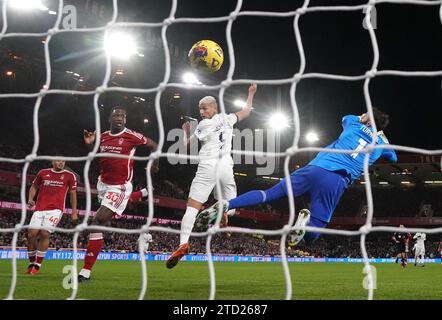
114, 197
419, 251
204, 182
45, 219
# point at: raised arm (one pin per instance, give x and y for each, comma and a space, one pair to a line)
89, 139
188, 137
350, 119
153, 146
245, 112
387, 154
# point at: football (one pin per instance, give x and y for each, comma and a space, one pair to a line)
206, 56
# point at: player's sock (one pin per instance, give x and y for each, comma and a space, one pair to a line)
32, 256
136, 196
93, 250
231, 213
255, 197
397, 260
187, 224
403, 262
40, 257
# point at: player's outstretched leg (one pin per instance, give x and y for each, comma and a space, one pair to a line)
208, 216
403, 261
137, 196
303, 219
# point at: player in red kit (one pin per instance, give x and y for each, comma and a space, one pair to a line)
115, 181
402, 241
408, 238
440, 251
52, 186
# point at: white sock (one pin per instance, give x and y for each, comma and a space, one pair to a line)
41, 253
187, 224
85, 273
144, 193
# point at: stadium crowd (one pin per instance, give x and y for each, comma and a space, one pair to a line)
379, 245
389, 202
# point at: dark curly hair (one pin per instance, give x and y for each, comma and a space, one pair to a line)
381, 119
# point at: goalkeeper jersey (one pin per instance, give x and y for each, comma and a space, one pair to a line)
355, 136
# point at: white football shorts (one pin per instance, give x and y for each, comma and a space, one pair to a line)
420, 250
204, 182
45, 219
114, 197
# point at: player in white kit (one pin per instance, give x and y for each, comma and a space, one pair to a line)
144, 241
419, 249
215, 135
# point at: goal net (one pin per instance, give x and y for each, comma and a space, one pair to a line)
307, 8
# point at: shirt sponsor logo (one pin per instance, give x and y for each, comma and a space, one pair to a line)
53, 183
111, 149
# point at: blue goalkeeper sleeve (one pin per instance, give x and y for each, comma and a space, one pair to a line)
255, 197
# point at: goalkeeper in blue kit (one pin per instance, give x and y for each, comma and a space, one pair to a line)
324, 179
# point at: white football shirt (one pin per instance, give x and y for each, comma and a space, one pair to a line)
214, 135
420, 238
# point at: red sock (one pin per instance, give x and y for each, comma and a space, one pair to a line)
135, 197
40, 256
32, 256
93, 249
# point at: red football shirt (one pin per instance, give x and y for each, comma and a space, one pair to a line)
53, 187
116, 171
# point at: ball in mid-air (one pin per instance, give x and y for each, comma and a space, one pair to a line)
206, 55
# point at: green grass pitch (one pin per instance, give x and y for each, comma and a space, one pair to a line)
235, 281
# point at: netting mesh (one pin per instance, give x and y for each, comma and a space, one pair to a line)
229, 81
